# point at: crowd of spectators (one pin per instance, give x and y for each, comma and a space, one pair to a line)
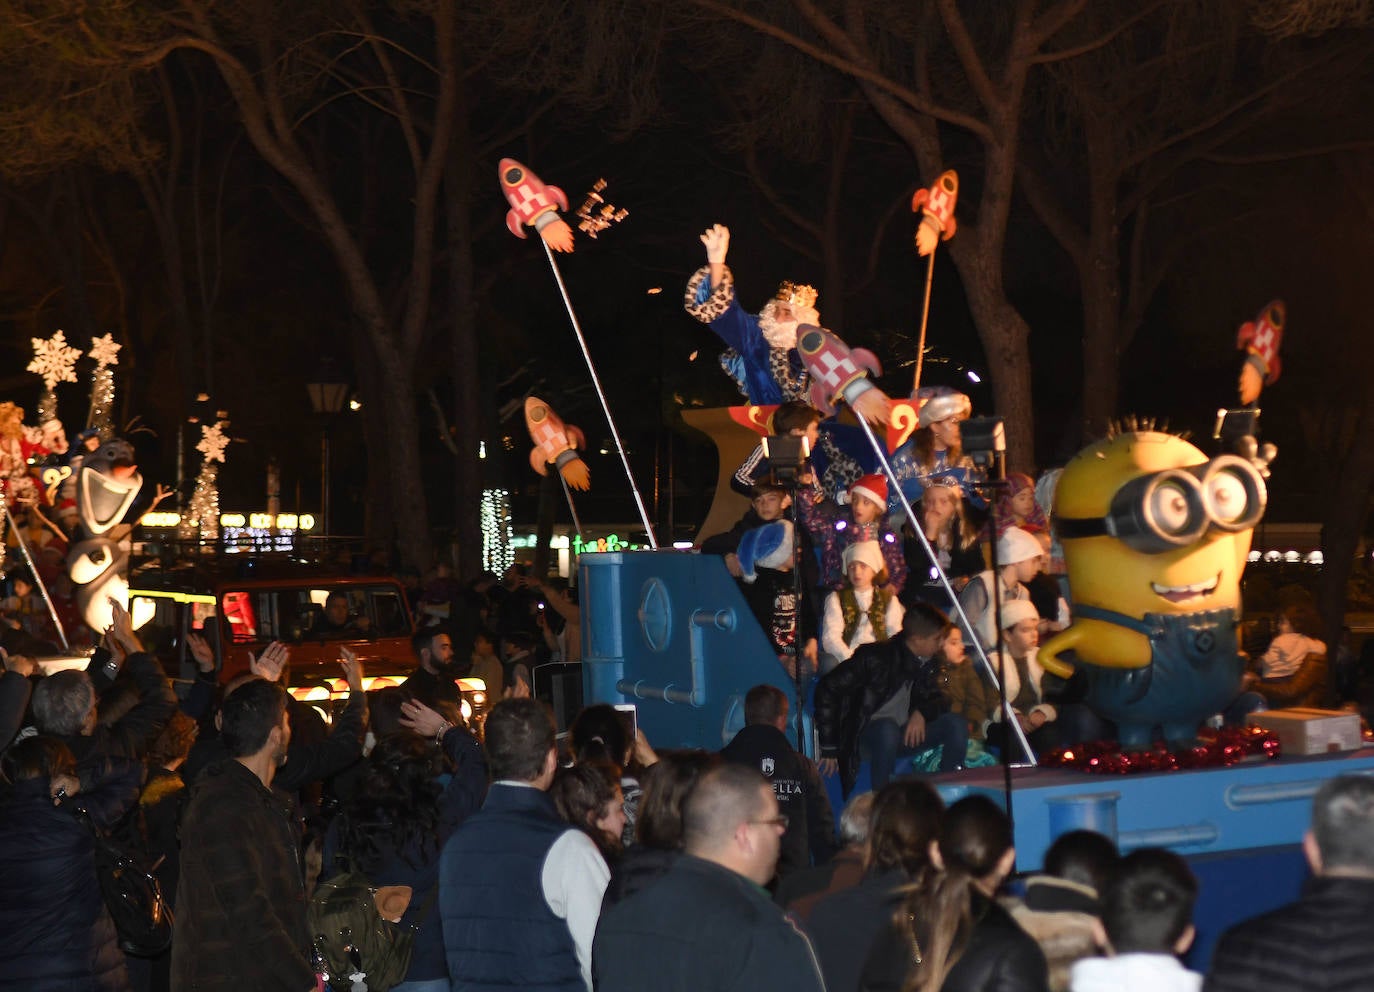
519, 857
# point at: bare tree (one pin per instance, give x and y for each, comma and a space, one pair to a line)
939, 78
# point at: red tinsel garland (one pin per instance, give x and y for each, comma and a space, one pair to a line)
1215, 749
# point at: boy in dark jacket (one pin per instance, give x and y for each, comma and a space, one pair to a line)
886, 703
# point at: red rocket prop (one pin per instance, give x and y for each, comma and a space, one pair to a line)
840, 373
557, 443
533, 204
936, 207
1260, 340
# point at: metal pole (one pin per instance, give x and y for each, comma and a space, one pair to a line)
324, 478
601, 395
577, 524
925, 317
944, 579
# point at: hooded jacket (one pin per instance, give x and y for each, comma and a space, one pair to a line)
850, 694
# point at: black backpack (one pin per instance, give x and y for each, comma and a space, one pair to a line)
133, 896
348, 935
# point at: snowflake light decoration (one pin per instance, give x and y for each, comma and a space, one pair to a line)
213, 441
54, 359
104, 351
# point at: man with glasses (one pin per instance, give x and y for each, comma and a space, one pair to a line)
708, 924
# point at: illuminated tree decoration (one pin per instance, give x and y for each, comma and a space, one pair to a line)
498, 553
105, 353
201, 518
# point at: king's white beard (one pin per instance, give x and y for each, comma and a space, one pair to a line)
783, 333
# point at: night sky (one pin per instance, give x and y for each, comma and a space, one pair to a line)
1269, 219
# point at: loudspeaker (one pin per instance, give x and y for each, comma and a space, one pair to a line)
560, 685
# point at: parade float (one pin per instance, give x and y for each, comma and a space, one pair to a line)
1155, 535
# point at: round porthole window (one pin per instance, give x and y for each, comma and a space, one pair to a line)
655, 615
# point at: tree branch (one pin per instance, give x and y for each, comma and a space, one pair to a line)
964, 47
1287, 156
1064, 54
1052, 21
849, 66
1070, 235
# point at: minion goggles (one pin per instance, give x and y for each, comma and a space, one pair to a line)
1174, 508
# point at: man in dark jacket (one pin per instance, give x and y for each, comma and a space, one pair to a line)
240, 910
68, 705
1324, 942
763, 745
707, 925
432, 682
519, 888
886, 703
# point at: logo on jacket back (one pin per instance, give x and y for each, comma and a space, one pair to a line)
766, 766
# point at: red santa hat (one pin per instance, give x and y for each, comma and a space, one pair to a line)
872, 487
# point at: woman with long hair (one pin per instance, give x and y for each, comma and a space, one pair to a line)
954, 539
597, 734
843, 926
658, 835
950, 934
395, 825
588, 796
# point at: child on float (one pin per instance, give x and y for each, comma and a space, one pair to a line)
861, 611
969, 692
833, 530
952, 536
792, 419
1024, 683
1019, 558
1017, 507
766, 558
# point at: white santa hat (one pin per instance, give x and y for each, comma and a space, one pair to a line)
1016, 610
867, 552
1015, 545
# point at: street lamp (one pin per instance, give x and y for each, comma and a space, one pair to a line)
328, 392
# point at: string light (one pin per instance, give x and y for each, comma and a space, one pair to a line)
498, 550
102, 401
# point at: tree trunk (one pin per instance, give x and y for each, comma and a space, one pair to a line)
1341, 529
1099, 277
1005, 338
464, 354
1100, 283
402, 458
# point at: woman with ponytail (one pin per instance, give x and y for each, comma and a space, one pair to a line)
950, 935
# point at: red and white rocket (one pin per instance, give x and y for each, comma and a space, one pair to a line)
839, 372
936, 205
533, 204
555, 442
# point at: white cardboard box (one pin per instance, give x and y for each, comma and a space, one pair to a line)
1306, 730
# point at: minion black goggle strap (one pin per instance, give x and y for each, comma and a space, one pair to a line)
1174, 508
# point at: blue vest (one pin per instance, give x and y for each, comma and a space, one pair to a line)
499, 932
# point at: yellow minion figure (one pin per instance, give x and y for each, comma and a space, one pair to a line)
1155, 538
